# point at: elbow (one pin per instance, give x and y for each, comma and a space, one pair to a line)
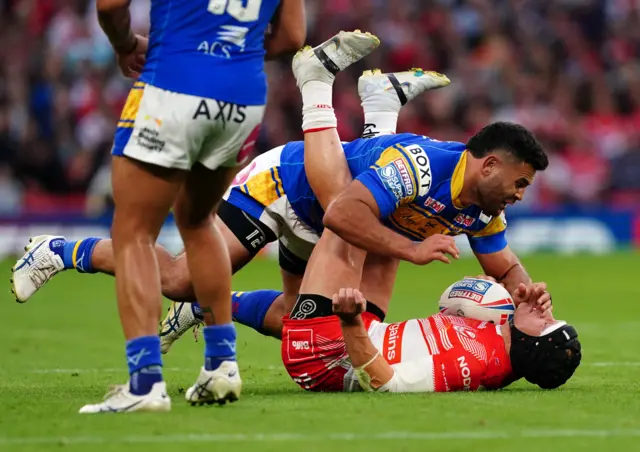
331, 219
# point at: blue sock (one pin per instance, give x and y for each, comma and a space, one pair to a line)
220, 345
145, 363
76, 254
250, 308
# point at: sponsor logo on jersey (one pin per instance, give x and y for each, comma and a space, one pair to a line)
392, 344
423, 167
465, 373
464, 220
300, 344
149, 139
434, 205
231, 39
405, 177
390, 177
469, 295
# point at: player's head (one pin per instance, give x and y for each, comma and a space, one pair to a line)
544, 351
510, 156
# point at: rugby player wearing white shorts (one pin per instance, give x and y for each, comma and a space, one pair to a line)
188, 124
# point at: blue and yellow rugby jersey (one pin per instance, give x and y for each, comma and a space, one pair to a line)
415, 181
209, 48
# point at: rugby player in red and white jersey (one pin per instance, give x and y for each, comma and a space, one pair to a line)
445, 353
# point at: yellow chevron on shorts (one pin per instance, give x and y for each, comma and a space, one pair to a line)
265, 187
130, 110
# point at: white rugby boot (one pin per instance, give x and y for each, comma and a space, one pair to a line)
383, 95
389, 92
216, 386
36, 267
120, 400
323, 62
180, 318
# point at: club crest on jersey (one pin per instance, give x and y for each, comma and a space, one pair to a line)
465, 331
434, 205
464, 220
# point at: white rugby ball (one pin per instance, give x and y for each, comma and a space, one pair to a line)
478, 299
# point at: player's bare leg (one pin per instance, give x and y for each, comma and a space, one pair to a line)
325, 164
54, 254
139, 214
210, 269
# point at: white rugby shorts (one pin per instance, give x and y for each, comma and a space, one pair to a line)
175, 130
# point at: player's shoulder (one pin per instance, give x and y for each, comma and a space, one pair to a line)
433, 161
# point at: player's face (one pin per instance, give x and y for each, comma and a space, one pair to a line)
504, 182
532, 321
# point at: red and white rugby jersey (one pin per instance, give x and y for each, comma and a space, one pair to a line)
443, 353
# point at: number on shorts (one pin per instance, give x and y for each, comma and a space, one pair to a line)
235, 9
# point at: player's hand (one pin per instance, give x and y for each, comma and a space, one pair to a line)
535, 294
348, 304
436, 248
132, 61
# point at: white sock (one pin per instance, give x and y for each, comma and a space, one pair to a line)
378, 123
317, 106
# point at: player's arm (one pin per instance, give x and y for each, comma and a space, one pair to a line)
355, 214
355, 217
115, 21
130, 48
372, 370
500, 262
374, 373
288, 29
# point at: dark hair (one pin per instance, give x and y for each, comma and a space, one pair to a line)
512, 138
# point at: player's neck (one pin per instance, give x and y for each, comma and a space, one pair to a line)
469, 194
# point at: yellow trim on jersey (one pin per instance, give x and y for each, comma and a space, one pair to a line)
495, 226
388, 156
457, 180
74, 254
265, 187
131, 107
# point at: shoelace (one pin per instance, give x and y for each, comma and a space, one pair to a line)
115, 390
196, 331
40, 274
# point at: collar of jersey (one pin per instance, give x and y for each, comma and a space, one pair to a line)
457, 181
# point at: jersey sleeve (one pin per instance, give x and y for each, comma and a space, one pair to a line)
492, 238
411, 376
399, 176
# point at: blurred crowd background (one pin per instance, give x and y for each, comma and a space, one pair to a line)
567, 69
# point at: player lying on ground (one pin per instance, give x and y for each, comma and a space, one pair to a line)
447, 353
438, 353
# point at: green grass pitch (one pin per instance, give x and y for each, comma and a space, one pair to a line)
64, 348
